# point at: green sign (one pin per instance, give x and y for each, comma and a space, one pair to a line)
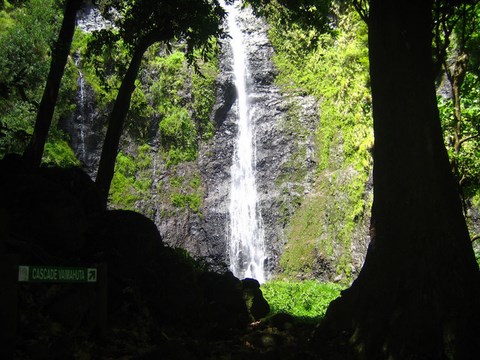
56, 274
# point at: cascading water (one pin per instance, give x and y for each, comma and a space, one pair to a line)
246, 248
81, 113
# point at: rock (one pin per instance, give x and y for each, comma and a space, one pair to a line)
3, 230
78, 184
43, 215
226, 306
86, 126
256, 303
128, 241
282, 321
277, 153
89, 18
285, 166
152, 289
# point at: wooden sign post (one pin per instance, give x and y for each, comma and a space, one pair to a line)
69, 274
8, 305
13, 274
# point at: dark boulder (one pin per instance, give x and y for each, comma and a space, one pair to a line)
127, 240
41, 211
226, 308
256, 303
78, 184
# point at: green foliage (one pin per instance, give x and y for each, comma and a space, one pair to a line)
68, 91
168, 90
104, 59
324, 224
183, 122
59, 153
26, 38
300, 255
307, 300
462, 132
145, 22
192, 201
139, 114
295, 24
104, 62
179, 136
468, 157
6, 20
186, 192
203, 92
171, 80
24, 46
132, 179
16, 125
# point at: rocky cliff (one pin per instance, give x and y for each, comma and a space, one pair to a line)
284, 133
284, 136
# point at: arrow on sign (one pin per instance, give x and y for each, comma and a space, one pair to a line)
91, 275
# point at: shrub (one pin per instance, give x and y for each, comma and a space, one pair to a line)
307, 300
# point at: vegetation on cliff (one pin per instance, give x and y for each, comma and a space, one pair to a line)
327, 231
417, 292
330, 46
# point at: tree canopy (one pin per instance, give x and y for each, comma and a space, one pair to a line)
141, 24
146, 22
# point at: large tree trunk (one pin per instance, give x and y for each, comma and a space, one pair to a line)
34, 151
115, 124
417, 294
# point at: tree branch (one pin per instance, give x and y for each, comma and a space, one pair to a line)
362, 8
468, 138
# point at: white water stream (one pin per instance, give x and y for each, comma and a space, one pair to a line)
82, 114
246, 248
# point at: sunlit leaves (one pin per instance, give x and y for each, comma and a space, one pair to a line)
144, 22
179, 136
131, 180
307, 300
26, 41
467, 157
333, 67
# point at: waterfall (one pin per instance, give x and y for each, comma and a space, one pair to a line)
83, 126
246, 248
81, 114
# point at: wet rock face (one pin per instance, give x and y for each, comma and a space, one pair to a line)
284, 146
89, 18
284, 138
86, 126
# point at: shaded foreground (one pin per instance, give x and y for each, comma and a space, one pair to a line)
161, 304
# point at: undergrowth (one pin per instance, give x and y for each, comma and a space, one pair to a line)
306, 300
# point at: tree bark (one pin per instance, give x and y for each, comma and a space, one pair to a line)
116, 122
417, 294
34, 151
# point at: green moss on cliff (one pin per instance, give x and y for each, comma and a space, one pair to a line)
132, 180
334, 69
186, 191
170, 92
